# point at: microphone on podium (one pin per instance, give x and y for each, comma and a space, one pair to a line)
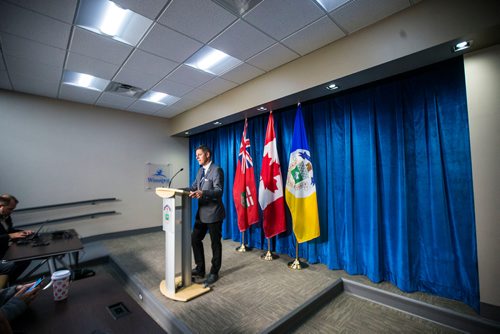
180, 170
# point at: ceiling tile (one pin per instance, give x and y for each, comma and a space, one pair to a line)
189, 76
63, 10
78, 94
200, 19
168, 112
4, 80
242, 41
144, 107
199, 95
92, 66
30, 50
93, 45
147, 8
332, 5
137, 78
184, 104
218, 86
150, 64
358, 14
273, 57
172, 88
169, 44
114, 101
25, 23
36, 86
242, 73
280, 18
33, 69
314, 36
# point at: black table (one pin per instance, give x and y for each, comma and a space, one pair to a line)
95, 305
46, 246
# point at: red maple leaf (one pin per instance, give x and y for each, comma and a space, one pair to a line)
269, 171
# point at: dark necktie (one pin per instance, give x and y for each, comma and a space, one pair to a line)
202, 180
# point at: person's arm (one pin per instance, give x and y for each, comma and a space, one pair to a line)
15, 303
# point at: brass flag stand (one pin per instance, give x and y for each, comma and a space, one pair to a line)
296, 264
242, 248
269, 256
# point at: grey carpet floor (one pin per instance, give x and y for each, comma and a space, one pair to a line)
252, 294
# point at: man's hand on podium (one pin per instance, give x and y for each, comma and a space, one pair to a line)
195, 194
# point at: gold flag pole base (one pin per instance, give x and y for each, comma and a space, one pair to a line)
297, 265
242, 248
269, 256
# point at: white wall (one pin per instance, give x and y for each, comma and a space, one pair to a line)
58, 152
482, 70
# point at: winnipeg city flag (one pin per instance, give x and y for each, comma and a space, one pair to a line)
244, 188
300, 190
271, 198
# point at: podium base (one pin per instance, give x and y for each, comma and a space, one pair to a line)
184, 294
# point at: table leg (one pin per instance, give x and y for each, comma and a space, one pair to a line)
52, 264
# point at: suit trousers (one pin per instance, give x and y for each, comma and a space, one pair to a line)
197, 236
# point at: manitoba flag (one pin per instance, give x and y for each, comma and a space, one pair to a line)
271, 198
244, 189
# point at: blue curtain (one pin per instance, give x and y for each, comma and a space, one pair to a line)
394, 181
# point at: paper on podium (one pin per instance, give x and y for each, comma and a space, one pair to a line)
169, 192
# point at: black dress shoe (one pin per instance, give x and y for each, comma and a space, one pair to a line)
198, 272
211, 279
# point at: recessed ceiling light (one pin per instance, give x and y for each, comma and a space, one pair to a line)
332, 86
106, 18
462, 46
261, 108
186, 133
217, 123
83, 80
330, 5
159, 98
212, 61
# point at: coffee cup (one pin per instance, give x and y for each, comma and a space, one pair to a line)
60, 284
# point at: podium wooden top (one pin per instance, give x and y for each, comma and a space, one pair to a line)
170, 192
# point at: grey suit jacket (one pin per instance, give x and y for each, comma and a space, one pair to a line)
210, 207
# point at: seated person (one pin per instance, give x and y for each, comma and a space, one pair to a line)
7, 232
13, 302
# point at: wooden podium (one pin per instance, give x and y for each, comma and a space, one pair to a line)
178, 248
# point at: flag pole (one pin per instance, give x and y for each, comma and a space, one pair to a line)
269, 256
242, 248
296, 264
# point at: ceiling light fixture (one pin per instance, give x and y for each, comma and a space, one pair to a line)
212, 61
217, 123
106, 18
159, 98
330, 5
261, 108
332, 86
83, 80
462, 46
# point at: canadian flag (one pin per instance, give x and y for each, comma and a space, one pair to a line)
271, 198
244, 189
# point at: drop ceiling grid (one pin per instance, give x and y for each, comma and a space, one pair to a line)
34, 39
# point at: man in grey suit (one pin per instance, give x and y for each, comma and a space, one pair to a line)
207, 188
